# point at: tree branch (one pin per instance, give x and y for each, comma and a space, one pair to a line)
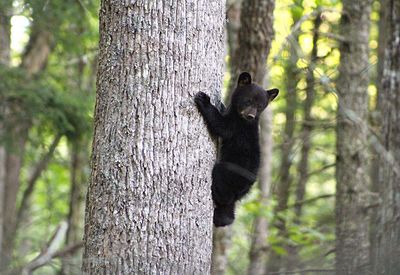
50, 252
323, 168
41, 165
310, 200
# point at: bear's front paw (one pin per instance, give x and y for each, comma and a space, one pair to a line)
202, 98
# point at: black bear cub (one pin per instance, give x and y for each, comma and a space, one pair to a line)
237, 168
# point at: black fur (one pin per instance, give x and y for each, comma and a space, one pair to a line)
237, 168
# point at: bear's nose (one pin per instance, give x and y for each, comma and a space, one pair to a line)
251, 116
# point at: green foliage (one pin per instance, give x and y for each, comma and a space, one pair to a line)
58, 100
35, 101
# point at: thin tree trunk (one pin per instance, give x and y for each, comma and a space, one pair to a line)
37, 171
258, 246
386, 250
376, 121
6, 10
307, 127
5, 40
79, 166
221, 243
149, 207
352, 219
281, 190
34, 60
79, 172
13, 167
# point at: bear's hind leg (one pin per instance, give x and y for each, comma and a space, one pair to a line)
224, 215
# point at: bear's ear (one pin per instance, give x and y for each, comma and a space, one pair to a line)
244, 79
272, 94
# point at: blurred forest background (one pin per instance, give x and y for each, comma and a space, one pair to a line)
48, 56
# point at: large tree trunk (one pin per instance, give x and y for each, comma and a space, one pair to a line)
352, 241
386, 250
149, 207
254, 38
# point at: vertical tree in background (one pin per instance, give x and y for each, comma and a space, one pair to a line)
33, 61
281, 189
306, 140
5, 40
254, 40
259, 245
5, 31
352, 240
255, 36
386, 250
149, 207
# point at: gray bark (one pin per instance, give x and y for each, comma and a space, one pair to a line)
386, 244
149, 207
352, 218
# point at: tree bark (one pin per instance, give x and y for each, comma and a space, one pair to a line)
386, 250
149, 207
254, 39
233, 25
352, 219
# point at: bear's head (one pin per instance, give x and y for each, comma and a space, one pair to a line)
249, 99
